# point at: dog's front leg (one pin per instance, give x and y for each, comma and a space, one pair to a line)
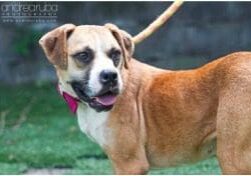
127, 153
125, 162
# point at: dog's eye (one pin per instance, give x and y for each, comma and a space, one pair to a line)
115, 54
85, 56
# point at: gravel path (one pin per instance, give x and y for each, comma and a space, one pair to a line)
46, 171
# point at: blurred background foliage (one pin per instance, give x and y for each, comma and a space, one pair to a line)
25, 40
198, 33
36, 131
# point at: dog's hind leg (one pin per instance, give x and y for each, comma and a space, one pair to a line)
234, 130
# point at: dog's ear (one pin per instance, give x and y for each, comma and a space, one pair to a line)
124, 40
54, 44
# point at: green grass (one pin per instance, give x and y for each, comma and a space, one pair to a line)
47, 136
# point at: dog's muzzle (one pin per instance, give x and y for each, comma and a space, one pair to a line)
105, 99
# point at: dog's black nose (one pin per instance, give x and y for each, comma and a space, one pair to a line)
108, 77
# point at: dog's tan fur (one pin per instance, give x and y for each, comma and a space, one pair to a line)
165, 118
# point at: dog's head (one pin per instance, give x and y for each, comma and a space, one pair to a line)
89, 60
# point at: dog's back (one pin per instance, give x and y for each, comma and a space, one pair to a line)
185, 110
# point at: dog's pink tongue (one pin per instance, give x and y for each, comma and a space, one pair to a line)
106, 100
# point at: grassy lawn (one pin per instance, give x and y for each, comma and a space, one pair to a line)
37, 131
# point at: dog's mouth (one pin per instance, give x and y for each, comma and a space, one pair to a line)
106, 99
103, 101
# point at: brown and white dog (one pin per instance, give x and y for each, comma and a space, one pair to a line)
144, 116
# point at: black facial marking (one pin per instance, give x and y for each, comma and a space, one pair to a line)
115, 55
85, 56
87, 76
80, 88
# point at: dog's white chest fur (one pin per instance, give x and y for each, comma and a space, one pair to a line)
93, 124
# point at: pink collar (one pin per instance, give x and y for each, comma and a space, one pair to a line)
71, 101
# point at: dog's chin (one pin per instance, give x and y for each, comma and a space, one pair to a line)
102, 101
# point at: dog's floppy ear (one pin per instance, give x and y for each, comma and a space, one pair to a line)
54, 44
124, 40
